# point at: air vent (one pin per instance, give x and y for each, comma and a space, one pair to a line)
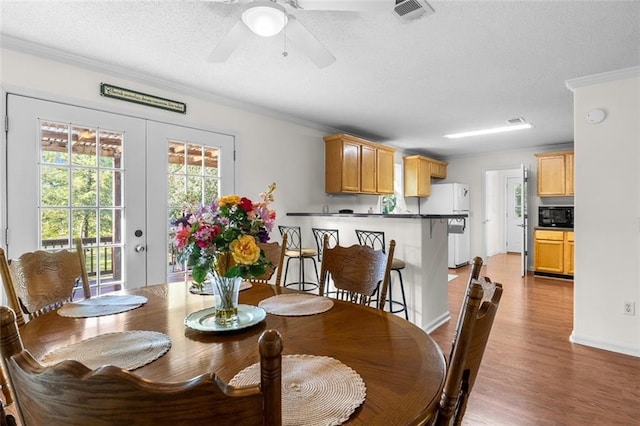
408, 10
518, 120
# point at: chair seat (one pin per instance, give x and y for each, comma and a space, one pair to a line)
397, 264
305, 252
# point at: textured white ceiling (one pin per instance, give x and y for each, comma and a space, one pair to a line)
471, 64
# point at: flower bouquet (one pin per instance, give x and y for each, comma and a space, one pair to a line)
221, 239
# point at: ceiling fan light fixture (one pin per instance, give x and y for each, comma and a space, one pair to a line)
265, 18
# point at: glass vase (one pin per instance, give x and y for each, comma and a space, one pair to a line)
225, 292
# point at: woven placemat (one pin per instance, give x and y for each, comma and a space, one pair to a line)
207, 289
102, 305
296, 304
126, 349
316, 390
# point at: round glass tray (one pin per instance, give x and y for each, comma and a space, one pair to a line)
205, 319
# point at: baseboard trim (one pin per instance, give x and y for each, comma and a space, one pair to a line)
605, 346
553, 275
433, 325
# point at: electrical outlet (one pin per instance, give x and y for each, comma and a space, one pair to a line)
629, 308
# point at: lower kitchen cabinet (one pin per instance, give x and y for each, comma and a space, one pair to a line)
553, 251
568, 252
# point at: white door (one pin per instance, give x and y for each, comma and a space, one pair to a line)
186, 168
60, 187
514, 214
524, 173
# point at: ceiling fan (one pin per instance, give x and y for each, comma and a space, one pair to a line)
267, 18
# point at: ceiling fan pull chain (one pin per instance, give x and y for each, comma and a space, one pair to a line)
284, 51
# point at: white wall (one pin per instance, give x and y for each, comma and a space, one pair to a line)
607, 182
268, 148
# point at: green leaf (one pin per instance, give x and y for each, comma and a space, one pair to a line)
200, 274
257, 270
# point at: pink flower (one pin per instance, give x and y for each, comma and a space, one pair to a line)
182, 235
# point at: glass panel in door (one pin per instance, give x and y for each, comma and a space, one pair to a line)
193, 180
81, 197
73, 173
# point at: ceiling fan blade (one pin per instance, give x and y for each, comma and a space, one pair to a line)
305, 41
230, 42
353, 5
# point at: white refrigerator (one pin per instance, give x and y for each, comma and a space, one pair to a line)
452, 198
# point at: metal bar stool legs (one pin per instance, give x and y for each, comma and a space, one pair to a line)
294, 250
376, 240
392, 301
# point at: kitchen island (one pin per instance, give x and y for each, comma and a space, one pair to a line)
421, 241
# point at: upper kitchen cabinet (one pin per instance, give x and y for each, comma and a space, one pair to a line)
418, 171
357, 166
555, 174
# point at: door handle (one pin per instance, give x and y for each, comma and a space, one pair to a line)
139, 248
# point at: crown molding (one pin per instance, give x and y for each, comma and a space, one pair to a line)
64, 57
604, 77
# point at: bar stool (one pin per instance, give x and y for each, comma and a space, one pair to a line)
334, 240
294, 250
375, 239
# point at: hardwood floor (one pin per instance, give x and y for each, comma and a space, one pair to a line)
531, 374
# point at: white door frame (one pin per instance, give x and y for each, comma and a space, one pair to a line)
227, 187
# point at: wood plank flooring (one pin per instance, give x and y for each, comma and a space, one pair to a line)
531, 374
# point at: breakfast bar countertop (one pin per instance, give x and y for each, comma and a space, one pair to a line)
391, 216
421, 242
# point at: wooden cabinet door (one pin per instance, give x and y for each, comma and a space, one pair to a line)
569, 173
439, 169
385, 171
417, 176
367, 169
551, 175
350, 167
549, 251
569, 246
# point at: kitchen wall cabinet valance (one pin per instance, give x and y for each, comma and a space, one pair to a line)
554, 253
418, 171
357, 166
555, 174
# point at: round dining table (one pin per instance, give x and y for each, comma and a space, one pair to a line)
402, 367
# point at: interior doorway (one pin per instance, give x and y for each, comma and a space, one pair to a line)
505, 220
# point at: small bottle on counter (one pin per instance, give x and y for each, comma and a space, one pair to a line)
370, 210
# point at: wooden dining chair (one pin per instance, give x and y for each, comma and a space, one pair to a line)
357, 272
476, 320
6, 419
40, 281
69, 393
275, 253
474, 274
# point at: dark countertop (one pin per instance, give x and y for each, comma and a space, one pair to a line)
386, 216
551, 228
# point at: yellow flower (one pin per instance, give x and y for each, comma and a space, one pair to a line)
244, 250
230, 200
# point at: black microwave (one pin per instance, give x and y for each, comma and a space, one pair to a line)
555, 217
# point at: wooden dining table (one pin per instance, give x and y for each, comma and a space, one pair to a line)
402, 367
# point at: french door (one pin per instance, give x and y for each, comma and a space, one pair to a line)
112, 180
